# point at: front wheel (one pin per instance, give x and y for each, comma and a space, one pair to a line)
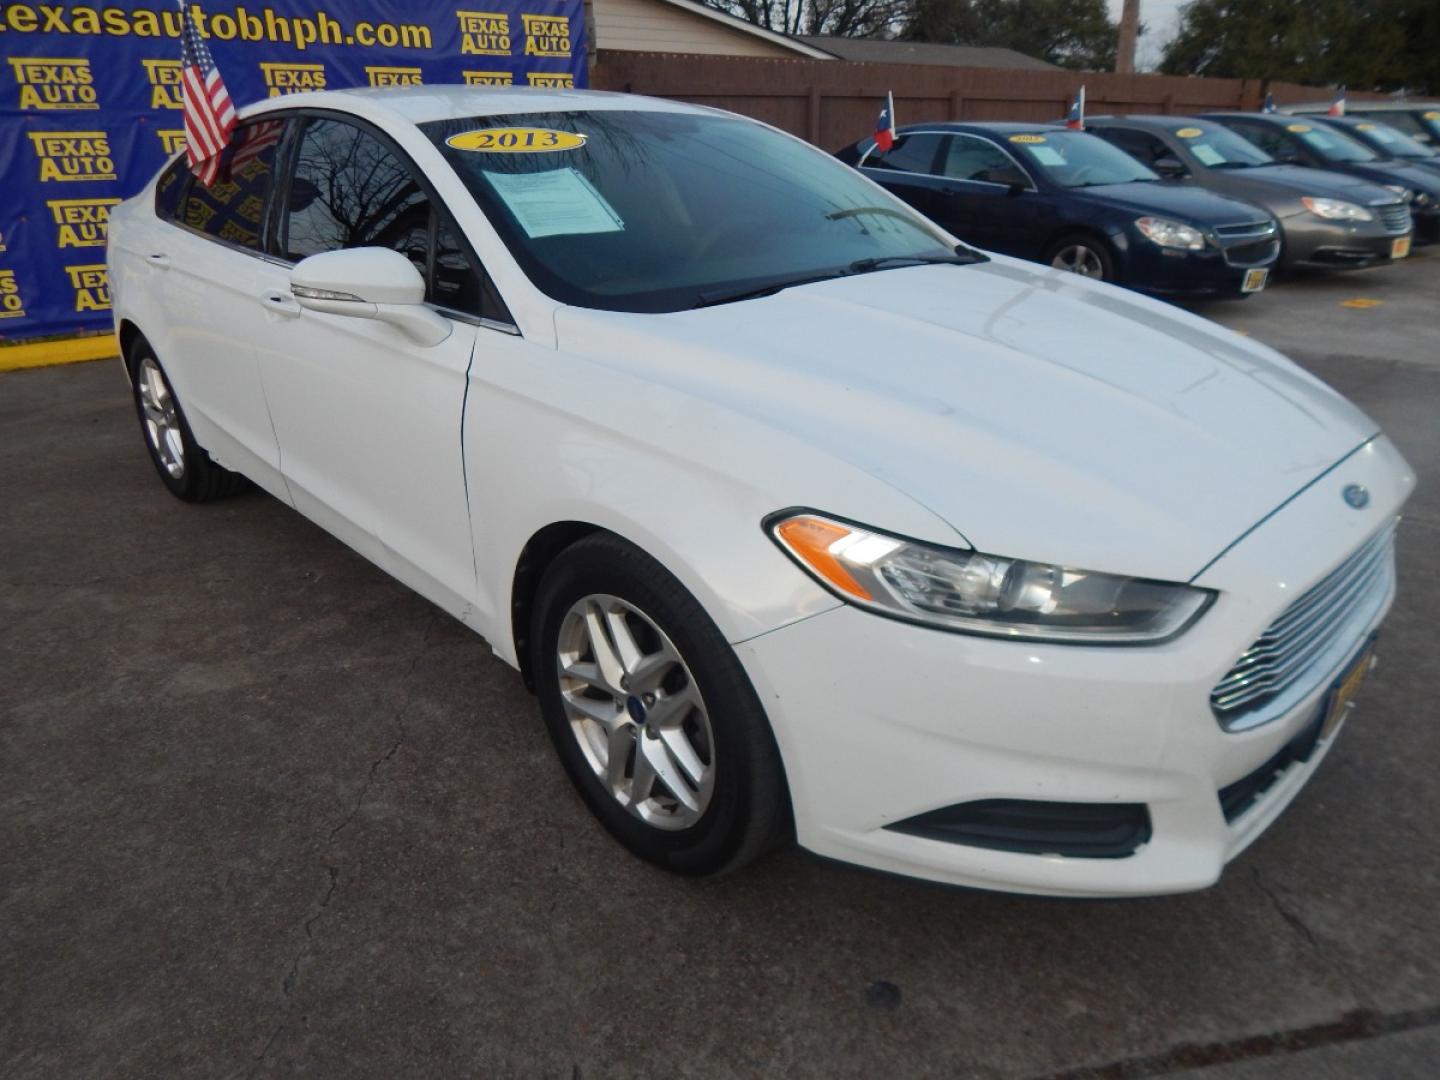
651, 713
1083, 255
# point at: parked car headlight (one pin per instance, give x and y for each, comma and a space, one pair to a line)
1336, 209
1401, 190
966, 591
1170, 234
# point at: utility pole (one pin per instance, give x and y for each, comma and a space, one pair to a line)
1129, 30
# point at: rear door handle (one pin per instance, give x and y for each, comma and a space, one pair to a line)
280, 303
159, 260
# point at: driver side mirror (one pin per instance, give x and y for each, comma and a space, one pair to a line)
1170, 167
369, 283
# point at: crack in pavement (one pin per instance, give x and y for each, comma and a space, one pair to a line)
332, 869
1352, 1026
1297, 923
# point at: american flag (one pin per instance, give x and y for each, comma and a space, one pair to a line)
209, 112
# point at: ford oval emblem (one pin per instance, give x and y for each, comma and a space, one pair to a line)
1356, 496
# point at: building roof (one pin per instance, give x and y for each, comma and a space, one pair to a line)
924, 52
794, 44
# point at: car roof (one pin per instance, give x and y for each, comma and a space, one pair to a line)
1269, 118
982, 126
1364, 106
1148, 120
422, 104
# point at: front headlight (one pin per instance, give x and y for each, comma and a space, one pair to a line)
1170, 234
1401, 190
1336, 209
952, 589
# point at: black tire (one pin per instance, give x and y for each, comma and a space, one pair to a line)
748, 813
199, 478
1100, 248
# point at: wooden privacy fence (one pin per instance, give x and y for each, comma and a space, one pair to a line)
834, 102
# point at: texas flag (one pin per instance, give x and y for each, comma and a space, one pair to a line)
1075, 118
885, 125
1337, 107
1269, 106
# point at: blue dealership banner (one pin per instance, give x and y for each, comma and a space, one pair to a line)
90, 106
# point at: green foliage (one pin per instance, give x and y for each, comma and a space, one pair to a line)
1364, 44
1071, 33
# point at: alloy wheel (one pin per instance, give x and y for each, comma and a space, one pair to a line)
162, 422
636, 712
1079, 259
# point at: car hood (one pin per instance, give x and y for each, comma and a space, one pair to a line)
1189, 204
1302, 180
1040, 415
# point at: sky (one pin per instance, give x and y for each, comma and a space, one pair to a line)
1160, 18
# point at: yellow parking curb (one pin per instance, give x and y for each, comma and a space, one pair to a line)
65, 351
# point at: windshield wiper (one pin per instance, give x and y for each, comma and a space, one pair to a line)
750, 292
965, 257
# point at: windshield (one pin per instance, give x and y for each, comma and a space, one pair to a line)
662, 211
1395, 142
1220, 148
1076, 159
1333, 145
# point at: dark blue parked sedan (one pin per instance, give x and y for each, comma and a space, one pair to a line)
1067, 198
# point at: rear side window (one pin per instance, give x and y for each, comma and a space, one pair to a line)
233, 209
169, 190
911, 153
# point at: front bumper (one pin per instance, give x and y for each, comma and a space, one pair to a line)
1176, 274
1312, 242
879, 722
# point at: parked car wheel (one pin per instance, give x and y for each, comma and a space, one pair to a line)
184, 467
1083, 255
651, 713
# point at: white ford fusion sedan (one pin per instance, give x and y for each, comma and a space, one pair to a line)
802, 519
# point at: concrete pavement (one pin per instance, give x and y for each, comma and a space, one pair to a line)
268, 813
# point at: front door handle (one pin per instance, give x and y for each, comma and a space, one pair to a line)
280, 304
159, 260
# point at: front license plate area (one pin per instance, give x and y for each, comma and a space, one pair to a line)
1254, 280
1342, 694
1400, 247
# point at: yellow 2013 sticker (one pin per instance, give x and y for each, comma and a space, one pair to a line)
516, 140
1190, 133
1029, 139
1299, 129
1364, 127
1433, 114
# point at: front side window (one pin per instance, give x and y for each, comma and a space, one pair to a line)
349, 190
233, 209
972, 158
911, 153
1140, 145
1076, 159
663, 211
1268, 139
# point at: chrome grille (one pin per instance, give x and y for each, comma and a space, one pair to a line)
1394, 216
1246, 229
1303, 645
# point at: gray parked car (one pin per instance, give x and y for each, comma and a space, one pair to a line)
1327, 220
1418, 119
1313, 141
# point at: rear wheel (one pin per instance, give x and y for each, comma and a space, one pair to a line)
1083, 255
651, 713
184, 467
